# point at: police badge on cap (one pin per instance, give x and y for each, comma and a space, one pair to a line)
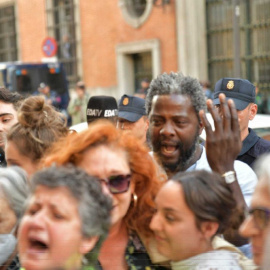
241, 91
131, 108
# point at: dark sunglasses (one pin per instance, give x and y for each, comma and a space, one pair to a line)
261, 216
117, 183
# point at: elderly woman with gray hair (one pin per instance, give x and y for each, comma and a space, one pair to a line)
13, 194
66, 214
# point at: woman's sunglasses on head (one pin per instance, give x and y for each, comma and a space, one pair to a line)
117, 183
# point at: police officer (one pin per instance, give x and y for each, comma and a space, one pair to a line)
132, 116
242, 92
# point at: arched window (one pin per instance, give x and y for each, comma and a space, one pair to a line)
135, 12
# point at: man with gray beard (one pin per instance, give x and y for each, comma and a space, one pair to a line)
176, 108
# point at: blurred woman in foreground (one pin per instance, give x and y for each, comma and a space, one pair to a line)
65, 215
192, 209
257, 225
13, 194
128, 175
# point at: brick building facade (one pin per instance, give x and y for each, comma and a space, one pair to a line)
112, 49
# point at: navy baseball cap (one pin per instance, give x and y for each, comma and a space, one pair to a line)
241, 91
131, 108
101, 107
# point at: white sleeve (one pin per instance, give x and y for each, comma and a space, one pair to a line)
247, 179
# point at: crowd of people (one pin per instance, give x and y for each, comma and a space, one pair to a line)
137, 188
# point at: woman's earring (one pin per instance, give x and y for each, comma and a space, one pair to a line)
134, 198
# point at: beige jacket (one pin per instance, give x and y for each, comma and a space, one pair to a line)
218, 244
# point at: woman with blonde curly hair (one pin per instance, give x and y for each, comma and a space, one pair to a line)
129, 176
39, 125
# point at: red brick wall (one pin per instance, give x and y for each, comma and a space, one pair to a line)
31, 28
103, 27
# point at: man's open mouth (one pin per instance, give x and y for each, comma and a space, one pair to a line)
168, 149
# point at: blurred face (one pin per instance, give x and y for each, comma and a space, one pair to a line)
145, 84
50, 231
8, 117
174, 129
244, 117
15, 158
45, 90
174, 226
256, 226
80, 92
104, 162
7, 216
138, 128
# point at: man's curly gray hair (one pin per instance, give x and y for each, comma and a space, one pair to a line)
176, 83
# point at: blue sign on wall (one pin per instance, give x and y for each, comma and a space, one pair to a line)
49, 47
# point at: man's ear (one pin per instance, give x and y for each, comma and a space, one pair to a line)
146, 124
209, 228
88, 244
253, 111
